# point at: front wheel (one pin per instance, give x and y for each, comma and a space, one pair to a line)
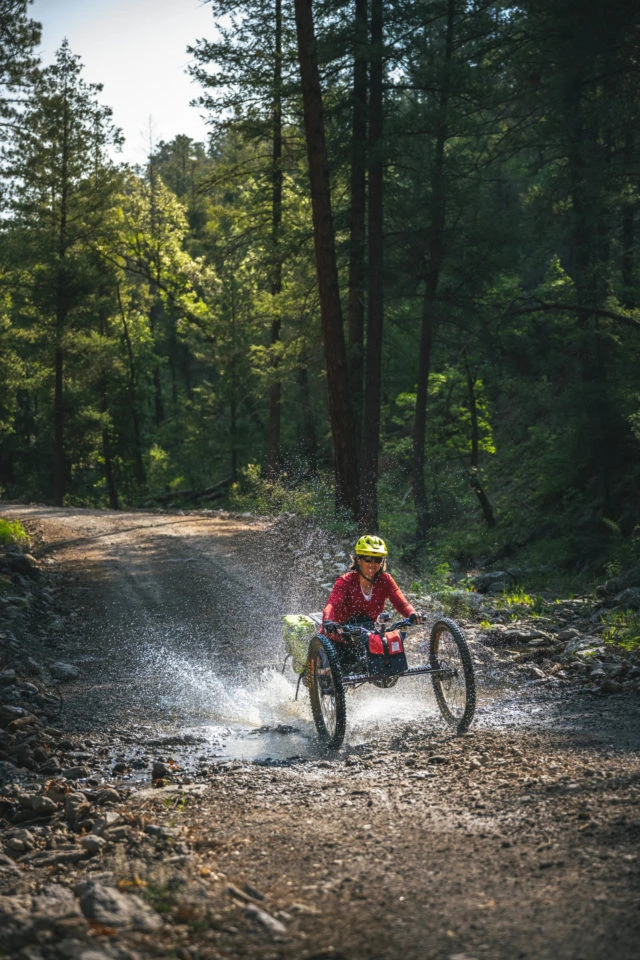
326, 692
453, 678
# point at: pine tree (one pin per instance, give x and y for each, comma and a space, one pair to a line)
62, 184
246, 76
19, 36
346, 473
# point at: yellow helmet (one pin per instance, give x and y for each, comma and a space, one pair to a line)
369, 546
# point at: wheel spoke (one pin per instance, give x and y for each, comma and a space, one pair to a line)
326, 692
453, 678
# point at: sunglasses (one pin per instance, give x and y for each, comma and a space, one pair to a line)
371, 559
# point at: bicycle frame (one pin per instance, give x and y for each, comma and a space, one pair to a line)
340, 657
355, 679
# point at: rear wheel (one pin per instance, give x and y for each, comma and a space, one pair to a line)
326, 692
453, 680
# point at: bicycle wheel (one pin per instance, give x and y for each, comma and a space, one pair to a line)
454, 684
326, 692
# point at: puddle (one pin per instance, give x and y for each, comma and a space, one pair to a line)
200, 710
265, 743
261, 721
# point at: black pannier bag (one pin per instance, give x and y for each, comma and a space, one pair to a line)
385, 655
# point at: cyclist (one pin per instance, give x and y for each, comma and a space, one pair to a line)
359, 596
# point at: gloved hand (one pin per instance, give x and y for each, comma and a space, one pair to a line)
329, 626
415, 618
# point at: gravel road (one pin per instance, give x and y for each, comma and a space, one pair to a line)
214, 826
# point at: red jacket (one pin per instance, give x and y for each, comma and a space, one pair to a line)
347, 600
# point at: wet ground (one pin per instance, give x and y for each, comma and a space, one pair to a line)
179, 639
517, 840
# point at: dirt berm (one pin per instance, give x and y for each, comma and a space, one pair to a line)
163, 794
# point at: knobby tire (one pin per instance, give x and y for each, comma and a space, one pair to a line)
455, 690
326, 692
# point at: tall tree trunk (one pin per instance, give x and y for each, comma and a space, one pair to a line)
157, 308
158, 400
233, 431
62, 309
310, 441
234, 391
330, 308
368, 519
108, 470
58, 429
433, 266
275, 390
587, 175
630, 292
133, 392
629, 256
109, 474
357, 217
427, 334
474, 471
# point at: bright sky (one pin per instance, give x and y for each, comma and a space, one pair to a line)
138, 50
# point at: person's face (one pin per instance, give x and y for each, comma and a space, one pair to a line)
370, 564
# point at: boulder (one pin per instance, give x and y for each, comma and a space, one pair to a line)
629, 599
8, 772
64, 672
15, 561
495, 581
109, 907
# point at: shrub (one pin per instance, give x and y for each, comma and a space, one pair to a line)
11, 531
622, 629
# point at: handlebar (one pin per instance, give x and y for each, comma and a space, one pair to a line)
357, 629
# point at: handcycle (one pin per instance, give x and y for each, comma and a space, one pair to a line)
375, 653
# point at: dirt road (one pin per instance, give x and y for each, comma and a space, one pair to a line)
518, 840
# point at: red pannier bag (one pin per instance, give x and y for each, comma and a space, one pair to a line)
385, 655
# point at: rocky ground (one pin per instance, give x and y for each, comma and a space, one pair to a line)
129, 829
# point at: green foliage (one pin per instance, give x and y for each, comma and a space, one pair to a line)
159, 471
253, 492
622, 629
12, 531
519, 600
439, 579
19, 37
156, 319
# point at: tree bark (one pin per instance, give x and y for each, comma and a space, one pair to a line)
474, 471
59, 466
357, 218
368, 519
58, 430
433, 266
275, 390
133, 391
108, 470
629, 256
346, 479
309, 441
155, 313
589, 233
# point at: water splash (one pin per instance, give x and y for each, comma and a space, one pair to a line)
372, 709
253, 714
